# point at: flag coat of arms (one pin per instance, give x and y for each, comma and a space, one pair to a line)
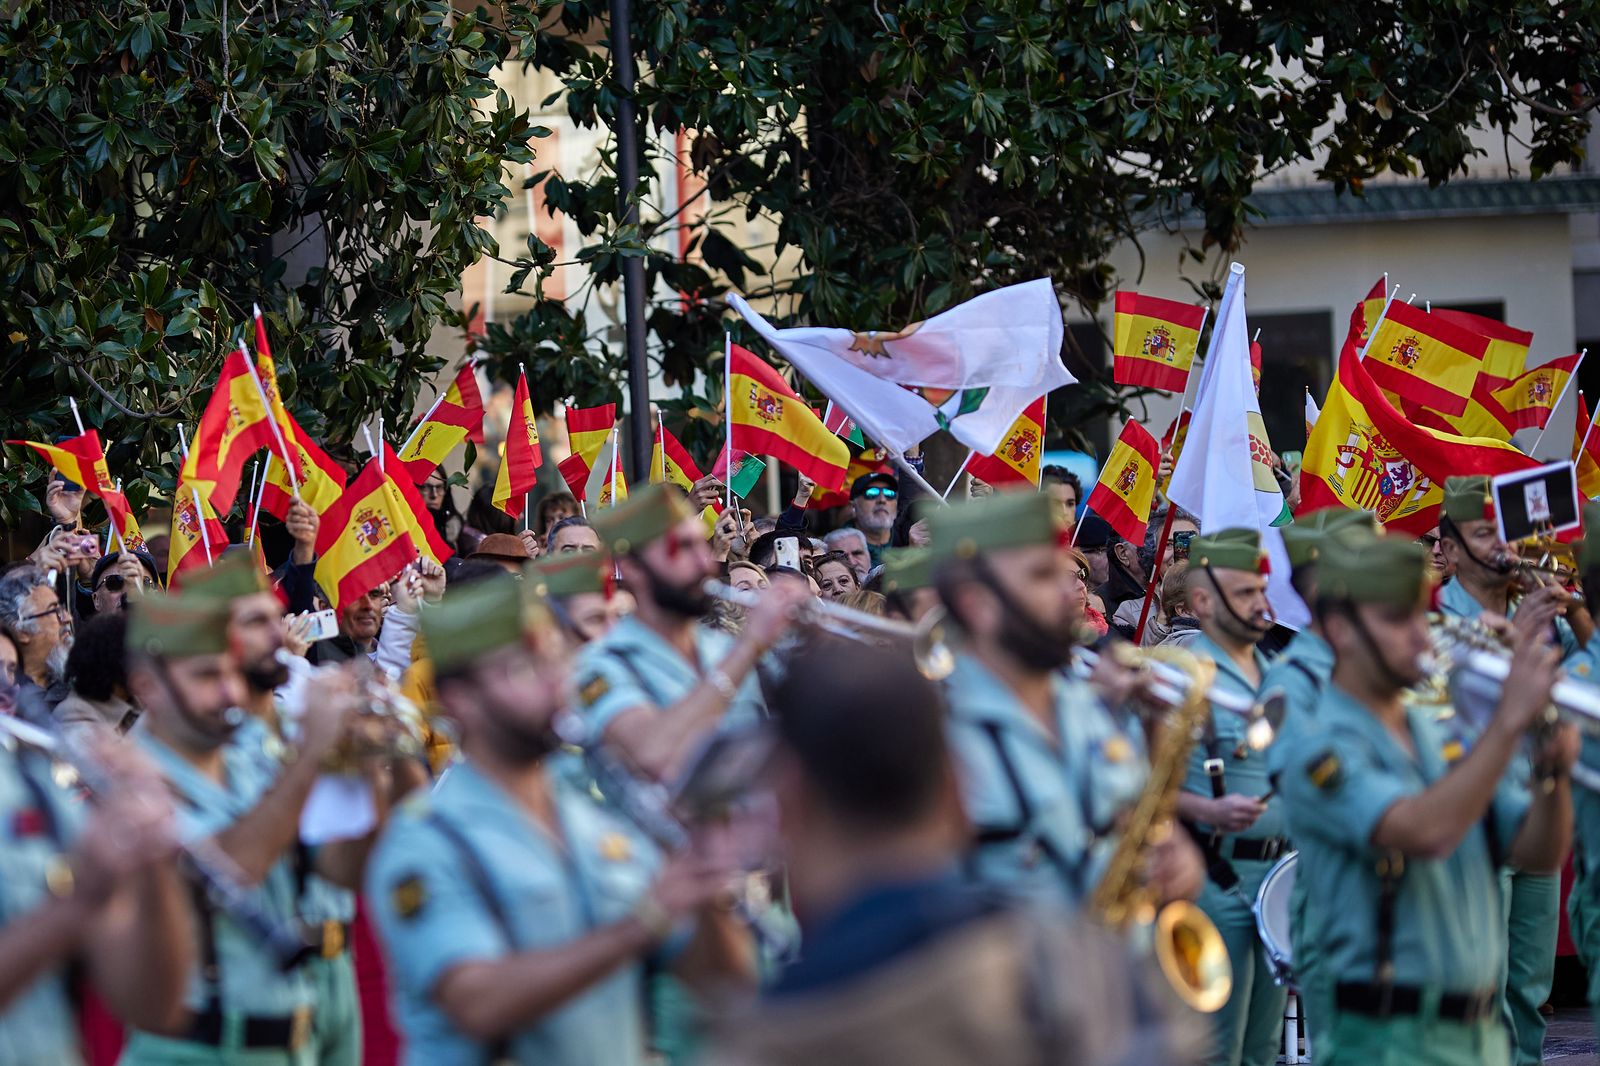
321, 480
82, 460
606, 483
769, 418
1018, 459
1586, 452
1529, 399
970, 370
588, 429
1427, 360
267, 370
671, 462
198, 537
417, 518
364, 540
1504, 360
235, 426
1154, 341
520, 464
1127, 484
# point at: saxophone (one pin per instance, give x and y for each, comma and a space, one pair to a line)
1190, 951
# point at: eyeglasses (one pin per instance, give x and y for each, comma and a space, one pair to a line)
1429, 541
114, 583
877, 491
54, 609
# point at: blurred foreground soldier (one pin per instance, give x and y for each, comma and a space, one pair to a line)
1047, 768
242, 1006
1399, 847
517, 914
907, 583
91, 886
1226, 797
1583, 902
580, 591
904, 959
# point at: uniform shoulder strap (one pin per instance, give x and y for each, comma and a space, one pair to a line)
498, 1050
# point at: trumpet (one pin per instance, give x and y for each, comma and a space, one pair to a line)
929, 648
1171, 683
379, 701
1475, 663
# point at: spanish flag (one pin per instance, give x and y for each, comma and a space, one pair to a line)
671, 462
82, 461
267, 368
1586, 452
1172, 442
1017, 460
1127, 484
418, 519
588, 429
129, 535
1364, 454
198, 538
1503, 362
605, 476
520, 464
1155, 341
769, 418
456, 417
1530, 398
1507, 355
364, 540
1425, 359
321, 479
235, 425
866, 461
1370, 307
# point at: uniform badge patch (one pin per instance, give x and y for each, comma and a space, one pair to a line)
408, 897
1452, 751
593, 689
1325, 772
614, 847
1116, 750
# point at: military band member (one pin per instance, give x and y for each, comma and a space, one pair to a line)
516, 912
1583, 902
581, 592
1226, 799
1400, 849
1046, 769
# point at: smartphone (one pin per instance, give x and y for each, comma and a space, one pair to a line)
1181, 542
788, 552
324, 625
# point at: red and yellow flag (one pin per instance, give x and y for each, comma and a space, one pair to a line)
671, 462
1425, 359
867, 461
1155, 341
1530, 398
129, 535
198, 537
520, 464
365, 538
321, 482
267, 368
416, 516
769, 418
1017, 459
464, 403
1503, 362
235, 425
1586, 452
1364, 454
588, 429
82, 461
1370, 307
1172, 441
458, 416
1127, 484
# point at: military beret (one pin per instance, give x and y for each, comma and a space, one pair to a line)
1467, 499
993, 523
907, 569
1367, 568
641, 518
1304, 536
473, 620
234, 576
177, 625
568, 574
1589, 552
1229, 549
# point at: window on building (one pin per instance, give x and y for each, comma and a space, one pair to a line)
1296, 355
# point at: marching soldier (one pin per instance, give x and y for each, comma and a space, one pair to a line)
1485, 582
516, 912
1405, 901
1583, 902
1047, 768
1227, 798
580, 589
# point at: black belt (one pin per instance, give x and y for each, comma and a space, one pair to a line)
1269, 849
287, 1031
1379, 1002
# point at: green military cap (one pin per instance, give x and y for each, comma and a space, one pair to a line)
568, 574
1589, 552
234, 576
907, 569
1467, 499
1304, 536
1230, 549
1367, 568
473, 620
178, 625
993, 523
641, 518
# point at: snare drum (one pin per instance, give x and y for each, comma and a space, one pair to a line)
1272, 917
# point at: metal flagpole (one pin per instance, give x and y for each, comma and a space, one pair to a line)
199, 511
73, 403
255, 514
970, 453
272, 421
727, 410
1373, 332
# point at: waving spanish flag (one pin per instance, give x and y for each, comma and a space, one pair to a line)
1586, 452
520, 464
1425, 359
82, 461
1529, 399
1370, 307
769, 418
365, 539
321, 479
418, 520
267, 368
588, 429
198, 537
671, 462
1017, 459
866, 461
1504, 361
1127, 484
456, 417
1155, 341
235, 425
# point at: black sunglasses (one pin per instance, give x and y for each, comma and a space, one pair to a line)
1429, 540
113, 582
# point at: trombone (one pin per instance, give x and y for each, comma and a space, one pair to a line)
932, 653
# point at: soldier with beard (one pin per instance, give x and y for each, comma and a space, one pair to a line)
1048, 767
33, 616
516, 912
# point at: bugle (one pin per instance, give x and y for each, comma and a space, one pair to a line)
1169, 685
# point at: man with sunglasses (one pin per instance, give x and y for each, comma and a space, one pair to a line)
115, 573
33, 616
875, 501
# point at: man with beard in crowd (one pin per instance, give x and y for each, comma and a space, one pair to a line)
35, 619
1048, 766
874, 502
1226, 799
240, 1002
516, 912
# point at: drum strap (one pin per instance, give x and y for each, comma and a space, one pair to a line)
989, 835
1391, 871
477, 875
1310, 675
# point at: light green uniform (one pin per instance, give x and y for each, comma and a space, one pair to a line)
1043, 808
246, 982
1532, 903
1448, 935
1249, 1027
38, 820
1583, 902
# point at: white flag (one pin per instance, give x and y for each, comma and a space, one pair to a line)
970, 370
1224, 473
1313, 412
